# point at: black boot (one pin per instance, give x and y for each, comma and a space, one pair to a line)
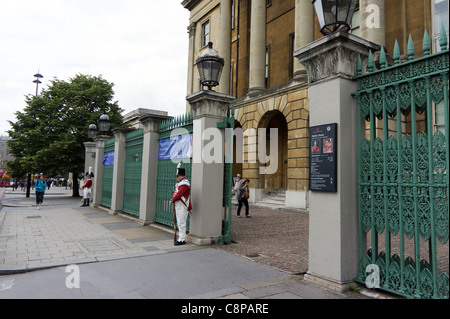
84, 203
87, 202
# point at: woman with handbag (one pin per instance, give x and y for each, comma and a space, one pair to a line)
40, 185
243, 198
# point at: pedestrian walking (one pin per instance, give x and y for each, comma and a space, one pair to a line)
182, 201
39, 186
87, 189
243, 195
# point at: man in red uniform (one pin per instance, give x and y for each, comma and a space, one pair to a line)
182, 200
87, 189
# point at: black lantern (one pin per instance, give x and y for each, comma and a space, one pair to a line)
104, 123
92, 131
334, 15
210, 67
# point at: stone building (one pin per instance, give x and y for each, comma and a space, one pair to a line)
257, 39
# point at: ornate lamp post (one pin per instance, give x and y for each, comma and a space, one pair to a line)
37, 81
92, 131
334, 15
104, 123
210, 67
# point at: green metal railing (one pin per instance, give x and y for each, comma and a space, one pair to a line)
403, 165
107, 176
166, 176
228, 123
133, 172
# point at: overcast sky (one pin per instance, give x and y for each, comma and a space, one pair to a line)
139, 45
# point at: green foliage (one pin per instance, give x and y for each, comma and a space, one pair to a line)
48, 135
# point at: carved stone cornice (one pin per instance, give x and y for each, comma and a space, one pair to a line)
190, 4
334, 56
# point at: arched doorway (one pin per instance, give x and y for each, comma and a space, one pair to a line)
277, 180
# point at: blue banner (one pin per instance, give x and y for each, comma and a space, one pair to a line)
108, 159
175, 147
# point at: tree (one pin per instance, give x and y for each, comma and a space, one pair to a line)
48, 135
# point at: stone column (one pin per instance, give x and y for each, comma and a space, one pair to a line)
333, 225
372, 21
224, 47
209, 108
304, 33
119, 168
257, 45
150, 125
98, 169
89, 155
191, 63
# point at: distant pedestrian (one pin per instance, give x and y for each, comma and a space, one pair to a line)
39, 186
87, 189
242, 196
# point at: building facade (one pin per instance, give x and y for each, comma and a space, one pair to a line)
257, 39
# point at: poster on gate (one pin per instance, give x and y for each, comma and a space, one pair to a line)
108, 159
177, 147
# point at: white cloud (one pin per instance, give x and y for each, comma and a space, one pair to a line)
139, 45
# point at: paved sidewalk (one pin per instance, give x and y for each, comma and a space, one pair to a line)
62, 233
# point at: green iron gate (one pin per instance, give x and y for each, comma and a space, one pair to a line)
403, 164
166, 176
133, 172
227, 124
108, 173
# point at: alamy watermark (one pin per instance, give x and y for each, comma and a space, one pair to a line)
214, 146
374, 18
73, 279
373, 279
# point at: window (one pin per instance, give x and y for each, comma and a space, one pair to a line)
291, 54
267, 73
232, 15
355, 27
268, 3
439, 117
205, 33
440, 16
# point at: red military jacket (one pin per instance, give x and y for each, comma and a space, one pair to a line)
182, 193
88, 184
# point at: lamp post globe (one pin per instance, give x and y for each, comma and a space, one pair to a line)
210, 67
92, 131
104, 123
334, 15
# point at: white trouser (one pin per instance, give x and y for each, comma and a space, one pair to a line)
182, 215
86, 193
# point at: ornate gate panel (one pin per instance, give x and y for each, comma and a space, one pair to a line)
228, 123
166, 178
108, 168
403, 165
133, 172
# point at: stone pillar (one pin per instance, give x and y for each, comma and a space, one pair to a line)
257, 45
150, 125
209, 108
191, 63
224, 47
333, 217
98, 169
119, 168
89, 156
372, 21
304, 33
